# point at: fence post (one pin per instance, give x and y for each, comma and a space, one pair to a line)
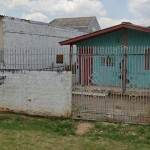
71, 50
124, 61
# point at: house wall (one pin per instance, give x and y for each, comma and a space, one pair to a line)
94, 25
23, 34
27, 34
105, 45
136, 59
37, 93
111, 45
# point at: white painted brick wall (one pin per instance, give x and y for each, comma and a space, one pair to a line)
37, 93
23, 34
19, 35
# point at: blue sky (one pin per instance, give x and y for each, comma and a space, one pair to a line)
116, 9
108, 12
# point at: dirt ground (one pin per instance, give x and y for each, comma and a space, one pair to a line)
83, 128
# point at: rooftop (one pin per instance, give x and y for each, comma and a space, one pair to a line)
72, 22
123, 25
35, 22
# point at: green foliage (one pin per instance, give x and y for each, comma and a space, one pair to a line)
19, 123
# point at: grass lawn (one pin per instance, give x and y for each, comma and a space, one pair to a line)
20, 132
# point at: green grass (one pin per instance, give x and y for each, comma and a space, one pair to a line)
20, 132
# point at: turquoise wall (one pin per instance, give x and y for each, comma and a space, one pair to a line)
138, 42
111, 45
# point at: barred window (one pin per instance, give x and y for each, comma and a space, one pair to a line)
147, 59
107, 61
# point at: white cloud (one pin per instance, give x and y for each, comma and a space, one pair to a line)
142, 21
3, 6
18, 3
139, 8
108, 22
61, 8
35, 17
73, 8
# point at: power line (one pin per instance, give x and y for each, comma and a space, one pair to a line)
145, 18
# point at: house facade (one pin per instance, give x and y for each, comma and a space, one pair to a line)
118, 56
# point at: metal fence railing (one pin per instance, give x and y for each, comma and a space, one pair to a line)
48, 59
112, 84
108, 83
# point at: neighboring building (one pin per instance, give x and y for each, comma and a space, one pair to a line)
18, 34
85, 24
118, 56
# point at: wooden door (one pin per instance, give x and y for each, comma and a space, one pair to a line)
85, 65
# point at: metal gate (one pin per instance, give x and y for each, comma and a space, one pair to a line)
112, 84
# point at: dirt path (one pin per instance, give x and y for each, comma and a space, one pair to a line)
83, 127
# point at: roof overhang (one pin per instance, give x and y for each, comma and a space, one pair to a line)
123, 25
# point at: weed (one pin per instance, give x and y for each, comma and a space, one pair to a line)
141, 130
118, 107
148, 136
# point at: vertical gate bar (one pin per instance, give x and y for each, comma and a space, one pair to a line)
126, 97
125, 60
103, 81
146, 92
81, 78
10, 54
96, 84
85, 80
87, 86
30, 54
105, 84
77, 97
20, 55
71, 47
139, 97
98, 97
131, 106
112, 81
48, 59
144, 97
45, 53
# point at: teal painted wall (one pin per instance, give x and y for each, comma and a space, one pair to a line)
105, 40
138, 42
110, 45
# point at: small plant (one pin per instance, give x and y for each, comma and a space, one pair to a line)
118, 107
74, 68
52, 66
141, 130
66, 67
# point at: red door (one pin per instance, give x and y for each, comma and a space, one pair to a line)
85, 65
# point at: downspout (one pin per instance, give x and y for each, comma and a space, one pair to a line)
125, 61
71, 50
